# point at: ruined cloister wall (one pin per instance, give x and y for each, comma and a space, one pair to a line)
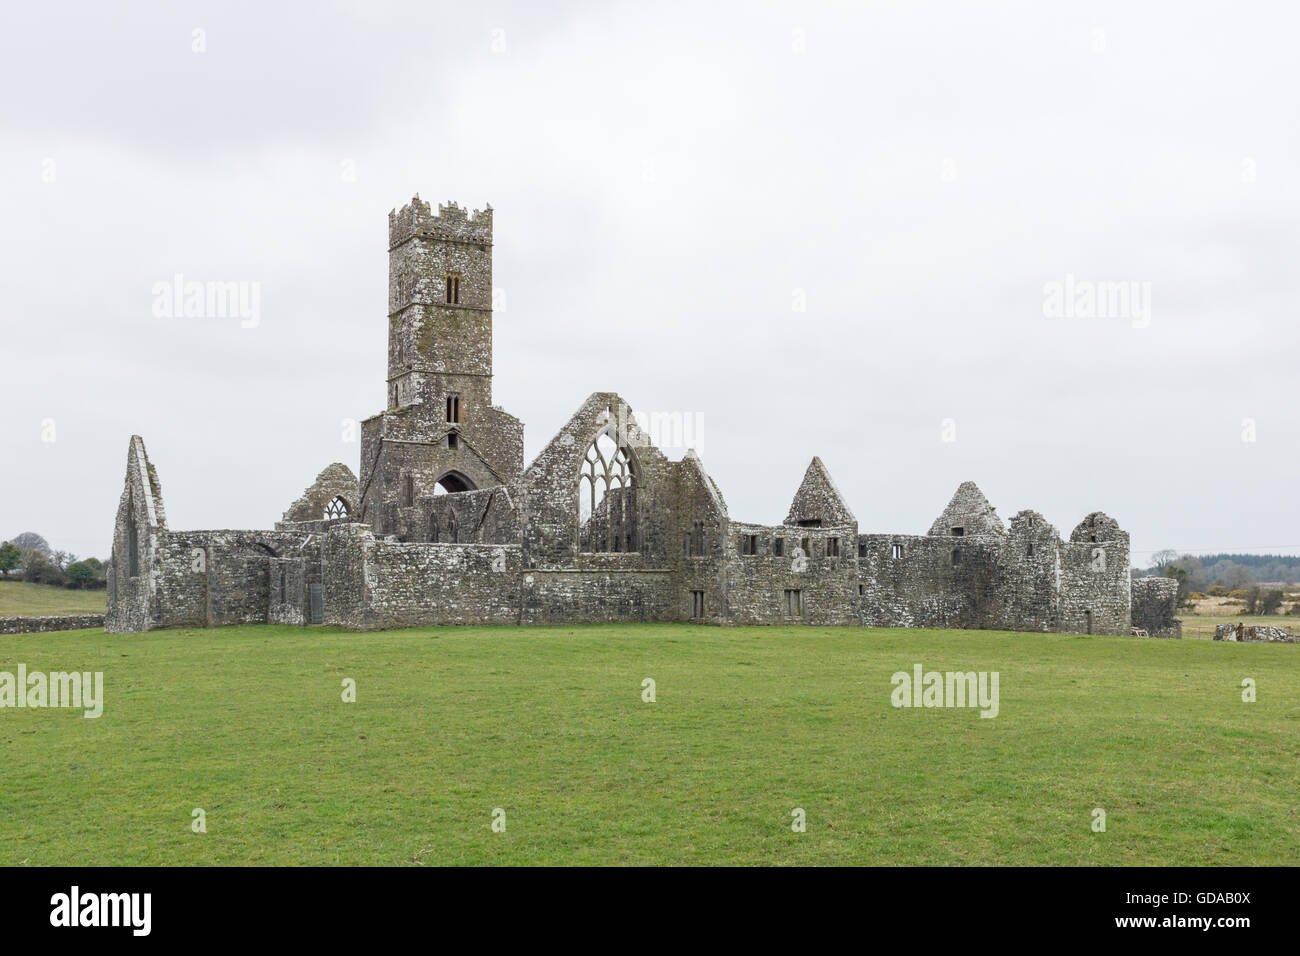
214, 578
756, 583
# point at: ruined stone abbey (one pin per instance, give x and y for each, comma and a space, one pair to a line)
447, 526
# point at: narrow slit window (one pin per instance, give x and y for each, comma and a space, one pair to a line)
896, 551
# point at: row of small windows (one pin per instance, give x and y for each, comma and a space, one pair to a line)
749, 546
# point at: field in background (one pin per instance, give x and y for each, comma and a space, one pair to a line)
1202, 625
19, 598
549, 725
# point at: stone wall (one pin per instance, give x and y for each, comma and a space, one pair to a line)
791, 575
1261, 633
618, 592
1155, 602
65, 622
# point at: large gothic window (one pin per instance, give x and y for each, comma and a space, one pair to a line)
606, 499
338, 508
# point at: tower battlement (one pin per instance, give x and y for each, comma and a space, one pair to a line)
452, 223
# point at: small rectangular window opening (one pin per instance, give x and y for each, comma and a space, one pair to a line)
697, 604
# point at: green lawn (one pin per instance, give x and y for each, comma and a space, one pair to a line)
36, 600
548, 724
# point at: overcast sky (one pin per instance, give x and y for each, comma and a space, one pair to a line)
672, 183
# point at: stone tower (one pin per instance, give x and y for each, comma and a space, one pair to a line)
440, 431
439, 305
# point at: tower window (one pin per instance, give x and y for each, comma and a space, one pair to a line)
832, 547
408, 491
453, 407
453, 288
958, 532
862, 549
749, 544
896, 551
956, 556
453, 441
778, 547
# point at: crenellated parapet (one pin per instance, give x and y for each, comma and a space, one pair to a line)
452, 223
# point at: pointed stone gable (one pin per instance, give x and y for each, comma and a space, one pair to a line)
132, 573
336, 481
970, 512
819, 500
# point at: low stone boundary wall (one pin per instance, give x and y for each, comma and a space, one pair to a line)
64, 622
1253, 632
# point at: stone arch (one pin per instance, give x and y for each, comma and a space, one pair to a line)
452, 482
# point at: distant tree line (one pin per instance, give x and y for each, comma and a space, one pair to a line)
58, 568
1232, 571
1238, 576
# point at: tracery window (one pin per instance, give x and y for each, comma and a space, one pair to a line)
338, 508
606, 499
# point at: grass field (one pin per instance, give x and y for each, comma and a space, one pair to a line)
19, 598
548, 724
